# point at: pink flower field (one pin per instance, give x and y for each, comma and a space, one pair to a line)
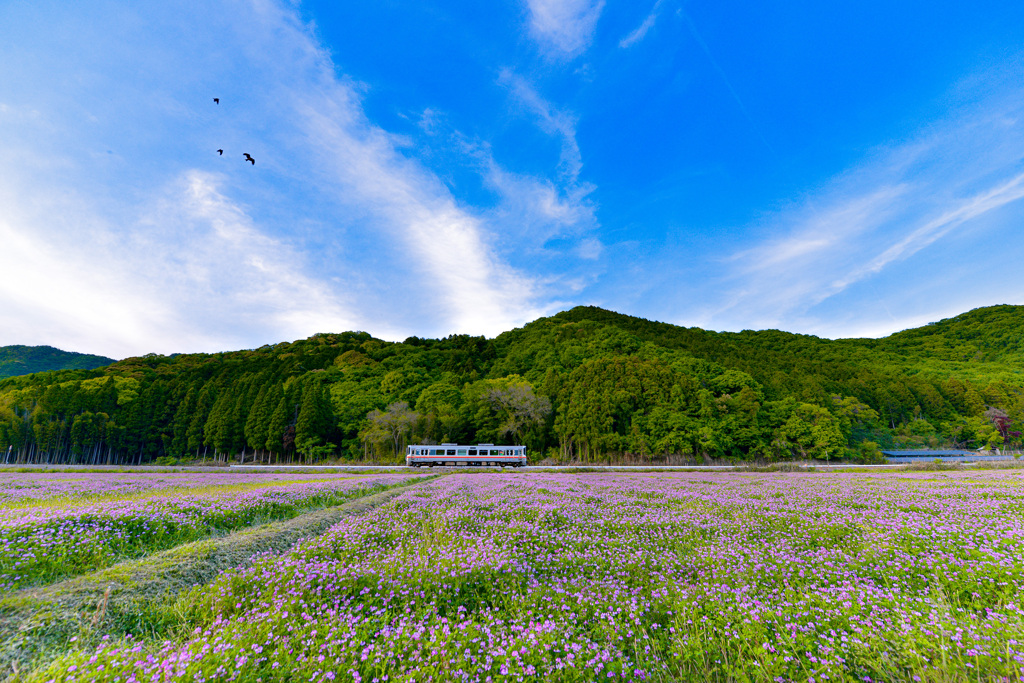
53, 526
620, 577
27, 488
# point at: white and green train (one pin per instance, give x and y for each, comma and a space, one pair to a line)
456, 455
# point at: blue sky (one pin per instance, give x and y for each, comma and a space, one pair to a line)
840, 169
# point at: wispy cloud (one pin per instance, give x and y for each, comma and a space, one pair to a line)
447, 250
539, 209
263, 278
446, 246
638, 34
935, 229
195, 273
551, 120
553, 208
150, 241
564, 27
890, 211
823, 229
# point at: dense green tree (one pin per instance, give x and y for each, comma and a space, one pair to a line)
182, 420
277, 429
217, 432
518, 408
391, 426
258, 421
601, 398
812, 431
204, 404
315, 420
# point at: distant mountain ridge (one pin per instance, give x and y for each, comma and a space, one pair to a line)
23, 360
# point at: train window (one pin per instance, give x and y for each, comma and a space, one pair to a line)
462, 451
472, 451
451, 451
438, 451
483, 451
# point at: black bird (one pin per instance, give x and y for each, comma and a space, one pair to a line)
249, 158
220, 152
216, 100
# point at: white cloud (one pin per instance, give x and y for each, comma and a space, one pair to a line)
194, 274
564, 27
821, 230
151, 242
49, 297
892, 210
446, 245
447, 249
546, 209
260, 277
544, 224
935, 229
541, 209
638, 34
551, 120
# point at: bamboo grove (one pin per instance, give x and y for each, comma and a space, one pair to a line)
586, 385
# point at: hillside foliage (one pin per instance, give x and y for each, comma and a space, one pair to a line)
24, 360
585, 385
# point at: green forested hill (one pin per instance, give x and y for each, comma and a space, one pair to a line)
583, 385
991, 334
23, 360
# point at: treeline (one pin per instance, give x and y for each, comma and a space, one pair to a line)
585, 385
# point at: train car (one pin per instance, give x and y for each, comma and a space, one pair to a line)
456, 455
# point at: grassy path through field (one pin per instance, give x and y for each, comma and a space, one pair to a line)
149, 596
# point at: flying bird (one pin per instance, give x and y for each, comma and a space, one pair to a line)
249, 158
216, 100
220, 152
